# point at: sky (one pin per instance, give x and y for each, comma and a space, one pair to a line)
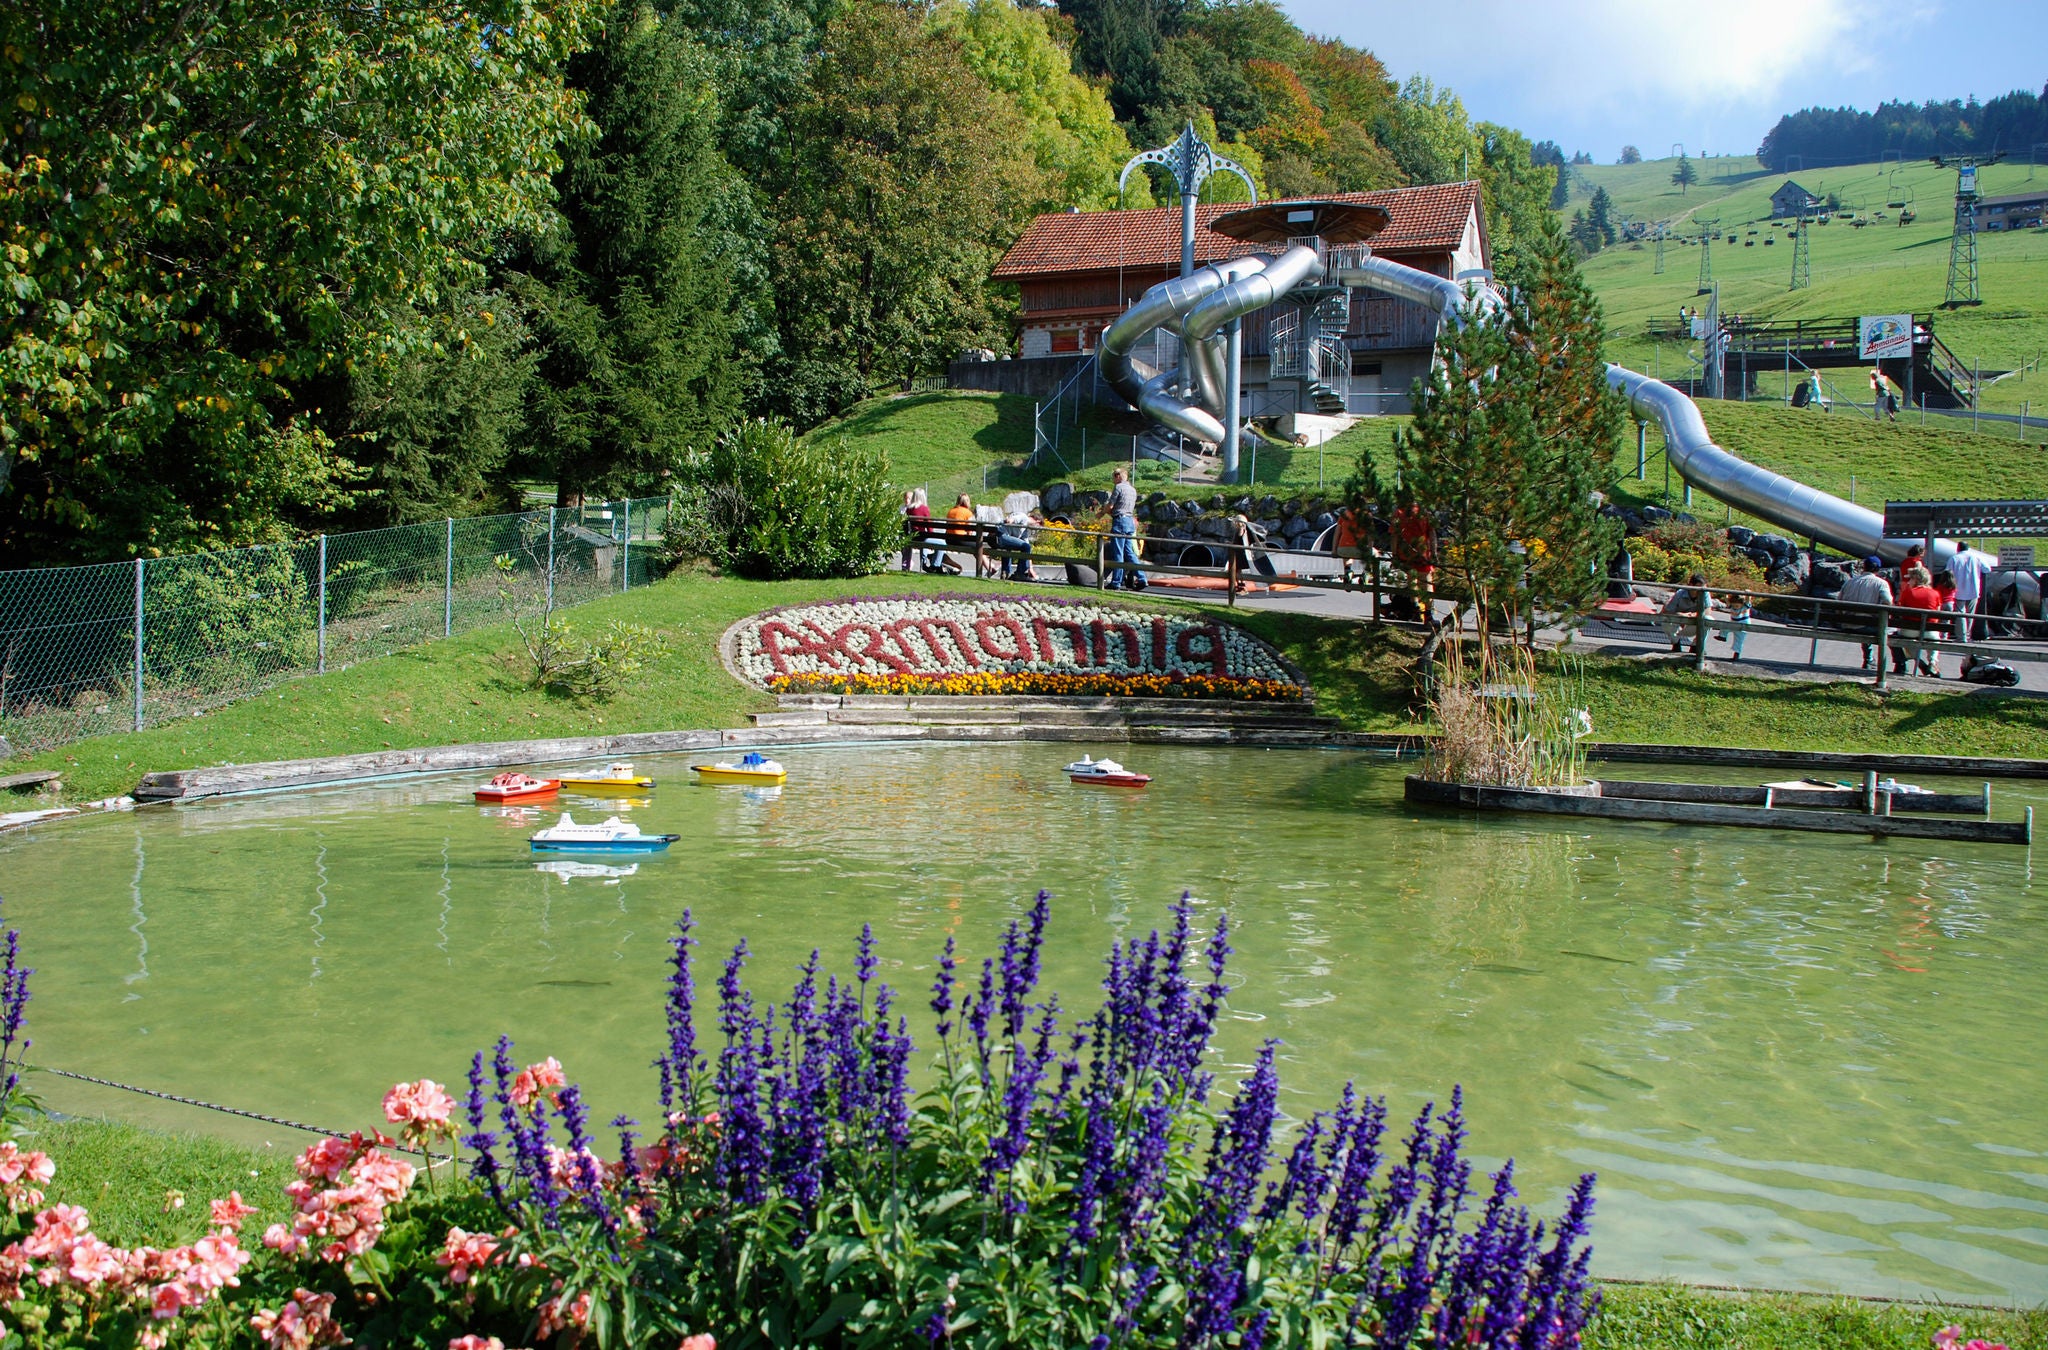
1713, 75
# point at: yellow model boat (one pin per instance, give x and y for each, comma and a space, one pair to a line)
753, 769
615, 778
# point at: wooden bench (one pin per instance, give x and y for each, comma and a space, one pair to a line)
22, 782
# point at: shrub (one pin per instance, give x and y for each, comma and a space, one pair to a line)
771, 505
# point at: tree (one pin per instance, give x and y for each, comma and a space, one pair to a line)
1685, 175
1600, 216
1630, 155
209, 210
1071, 130
1123, 41
902, 187
1512, 446
632, 302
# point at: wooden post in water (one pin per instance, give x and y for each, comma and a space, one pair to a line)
1870, 792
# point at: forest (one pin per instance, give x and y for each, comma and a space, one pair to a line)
274, 267
2015, 124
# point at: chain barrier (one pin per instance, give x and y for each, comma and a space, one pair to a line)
123, 646
433, 1158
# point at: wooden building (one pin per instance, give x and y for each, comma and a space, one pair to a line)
1076, 271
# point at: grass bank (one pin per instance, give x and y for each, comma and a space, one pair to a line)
123, 1174
471, 688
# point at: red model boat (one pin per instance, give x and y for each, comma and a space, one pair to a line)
1104, 773
517, 787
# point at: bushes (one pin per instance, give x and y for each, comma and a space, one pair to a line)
1056, 1185
770, 505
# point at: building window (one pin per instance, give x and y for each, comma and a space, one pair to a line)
1362, 367
1065, 340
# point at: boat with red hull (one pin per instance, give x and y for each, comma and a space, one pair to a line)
1090, 772
518, 787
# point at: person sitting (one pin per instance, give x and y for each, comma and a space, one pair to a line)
1687, 601
960, 531
1867, 587
1917, 592
918, 514
1015, 538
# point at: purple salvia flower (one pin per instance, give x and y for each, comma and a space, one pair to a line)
482, 1142
680, 1064
979, 1009
14, 996
942, 990
588, 1181
743, 1152
1349, 1204
1255, 1332
864, 962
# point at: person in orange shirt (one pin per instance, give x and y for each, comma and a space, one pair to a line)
960, 530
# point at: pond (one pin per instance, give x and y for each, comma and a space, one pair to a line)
1794, 1060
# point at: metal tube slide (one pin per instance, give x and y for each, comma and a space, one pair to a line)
1789, 505
1448, 298
1792, 506
1242, 296
1205, 358
1145, 389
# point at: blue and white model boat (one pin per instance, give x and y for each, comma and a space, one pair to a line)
613, 836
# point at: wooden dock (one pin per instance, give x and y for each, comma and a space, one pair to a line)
1866, 811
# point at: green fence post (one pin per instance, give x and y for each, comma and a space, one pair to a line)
138, 644
322, 667
626, 549
551, 561
448, 584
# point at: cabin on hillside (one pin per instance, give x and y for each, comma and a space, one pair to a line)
2014, 211
1076, 271
1792, 200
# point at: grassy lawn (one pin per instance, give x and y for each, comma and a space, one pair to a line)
941, 439
122, 1175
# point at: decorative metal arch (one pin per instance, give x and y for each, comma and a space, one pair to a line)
1191, 160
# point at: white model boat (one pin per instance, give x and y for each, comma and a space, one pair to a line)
1104, 773
612, 836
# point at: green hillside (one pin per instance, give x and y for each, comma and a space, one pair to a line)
1881, 268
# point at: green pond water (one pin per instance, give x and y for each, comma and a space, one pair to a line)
1797, 1060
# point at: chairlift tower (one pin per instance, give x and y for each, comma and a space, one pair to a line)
1706, 258
1962, 245
1802, 266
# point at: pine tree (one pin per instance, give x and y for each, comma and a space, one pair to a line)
1512, 446
1630, 155
633, 302
1685, 175
1600, 216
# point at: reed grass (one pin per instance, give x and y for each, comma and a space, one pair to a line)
1503, 724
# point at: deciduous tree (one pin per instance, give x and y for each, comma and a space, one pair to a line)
210, 210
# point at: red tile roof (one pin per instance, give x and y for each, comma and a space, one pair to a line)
1424, 219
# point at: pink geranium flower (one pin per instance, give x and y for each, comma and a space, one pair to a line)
703, 1340
536, 1079
421, 1108
476, 1343
463, 1254
300, 1324
230, 1212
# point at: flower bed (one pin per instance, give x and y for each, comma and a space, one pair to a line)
979, 644
987, 682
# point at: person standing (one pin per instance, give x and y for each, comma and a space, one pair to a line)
1350, 544
1123, 531
1867, 587
1967, 567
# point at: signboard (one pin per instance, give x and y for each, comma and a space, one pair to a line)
1879, 336
2016, 556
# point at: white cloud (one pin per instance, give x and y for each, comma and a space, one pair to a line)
1576, 59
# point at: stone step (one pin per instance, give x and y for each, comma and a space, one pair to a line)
1064, 717
795, 717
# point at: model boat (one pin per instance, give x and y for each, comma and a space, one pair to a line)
616, 778
752, 768
1104, 773
612, 836
517, 787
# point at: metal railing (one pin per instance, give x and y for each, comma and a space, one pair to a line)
123, 646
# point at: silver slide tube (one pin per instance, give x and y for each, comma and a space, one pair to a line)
1795, 507
1448, 298
1145, 389
1242, 296
1205, 359
1789, 505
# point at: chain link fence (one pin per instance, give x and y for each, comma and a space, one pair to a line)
123, 646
